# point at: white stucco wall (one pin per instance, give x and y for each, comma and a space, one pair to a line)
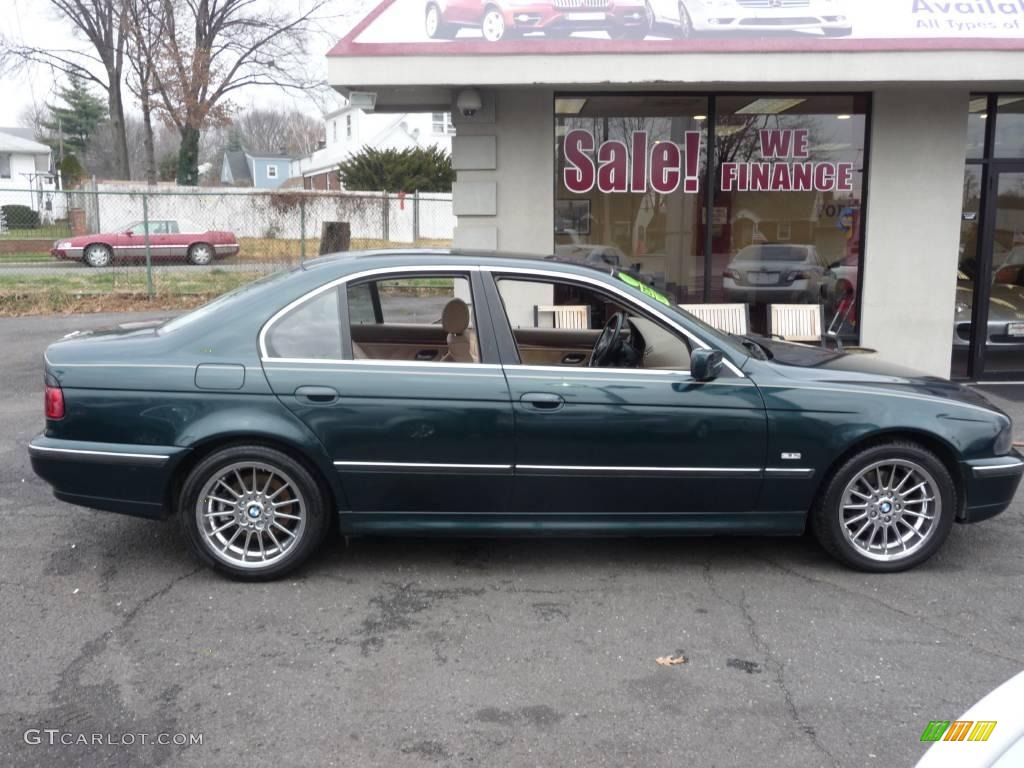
915, 185
519, 175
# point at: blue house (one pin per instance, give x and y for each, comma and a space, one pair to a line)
247, 169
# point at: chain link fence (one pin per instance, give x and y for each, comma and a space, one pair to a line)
181, 247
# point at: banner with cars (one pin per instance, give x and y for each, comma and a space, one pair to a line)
389, 27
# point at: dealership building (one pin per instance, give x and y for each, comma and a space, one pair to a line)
873, 164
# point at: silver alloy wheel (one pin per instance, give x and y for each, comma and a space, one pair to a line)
97, 255
251, 515
433, 22
200, 254
890, 509
493, 26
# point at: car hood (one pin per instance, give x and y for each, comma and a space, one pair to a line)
808, 364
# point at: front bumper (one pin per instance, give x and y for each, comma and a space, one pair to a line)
782, 20
67, 254
990, 485
127, 479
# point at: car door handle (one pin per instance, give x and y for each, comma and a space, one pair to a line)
543, 401
425, 355
316, 395
573, 358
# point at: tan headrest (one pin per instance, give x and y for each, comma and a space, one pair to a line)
455, 317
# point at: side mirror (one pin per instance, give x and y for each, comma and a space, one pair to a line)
706, 364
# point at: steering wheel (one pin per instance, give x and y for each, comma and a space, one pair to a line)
609, 342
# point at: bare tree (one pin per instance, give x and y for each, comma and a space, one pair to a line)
278, 130
146, 25
215, 47
102, 24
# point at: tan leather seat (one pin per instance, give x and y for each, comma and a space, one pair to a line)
461, 338
358, 353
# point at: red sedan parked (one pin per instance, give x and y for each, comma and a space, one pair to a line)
168, 239
502, 19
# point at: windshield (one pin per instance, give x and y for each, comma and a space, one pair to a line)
198, 314
727, 340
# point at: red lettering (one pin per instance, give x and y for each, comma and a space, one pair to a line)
775, 143
845, 181
665, 174
638, 182
730, 176
760, 177
803, 177
824, 177
579, 173
692, 184
781, 179
613, 160
800, 143
744, 183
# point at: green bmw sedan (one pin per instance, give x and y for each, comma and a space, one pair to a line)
434, 392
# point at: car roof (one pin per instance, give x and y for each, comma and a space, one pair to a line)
352, 261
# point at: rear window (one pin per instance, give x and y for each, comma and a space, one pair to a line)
772, 253
310, 331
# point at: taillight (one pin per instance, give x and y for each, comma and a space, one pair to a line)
732, 273
54, 399
797, 275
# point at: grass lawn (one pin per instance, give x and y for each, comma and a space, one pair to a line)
25, 257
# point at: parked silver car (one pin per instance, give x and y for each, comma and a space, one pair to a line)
1005, 317
778, 273
690, 17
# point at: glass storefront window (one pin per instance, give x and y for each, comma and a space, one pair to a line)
629, 186
787, 206
967, 269
977, 117
776, 218
1009, 141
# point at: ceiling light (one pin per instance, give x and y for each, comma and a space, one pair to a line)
769, 106
842, 117
569, 106
700, 118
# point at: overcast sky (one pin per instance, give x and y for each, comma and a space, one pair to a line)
35, 22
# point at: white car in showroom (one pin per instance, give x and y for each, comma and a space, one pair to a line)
693, 17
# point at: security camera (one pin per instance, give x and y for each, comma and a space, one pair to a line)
469, 102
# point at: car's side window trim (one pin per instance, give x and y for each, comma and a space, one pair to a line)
465, 271
600, 286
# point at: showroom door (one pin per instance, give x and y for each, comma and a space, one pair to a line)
990, 286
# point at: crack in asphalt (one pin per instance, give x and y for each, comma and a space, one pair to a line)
770, 662
974, 646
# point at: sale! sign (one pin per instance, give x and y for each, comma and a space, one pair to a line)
664, 167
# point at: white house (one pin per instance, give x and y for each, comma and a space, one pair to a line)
25, 177
349, 129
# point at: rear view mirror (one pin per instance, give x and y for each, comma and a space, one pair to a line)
706, 364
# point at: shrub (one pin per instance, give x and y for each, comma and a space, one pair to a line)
20, 217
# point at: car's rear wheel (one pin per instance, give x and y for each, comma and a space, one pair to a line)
888, 508
436, 27
685, 30
98, 255
200, 254
253, 512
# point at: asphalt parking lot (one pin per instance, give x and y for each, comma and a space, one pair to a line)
408, 652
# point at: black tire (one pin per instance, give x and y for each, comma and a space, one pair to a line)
436, 27
826, 515
314, 504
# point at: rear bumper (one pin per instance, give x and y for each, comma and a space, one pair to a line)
991, 485
127, 479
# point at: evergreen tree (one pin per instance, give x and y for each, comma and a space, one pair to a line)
417, 169
77, 118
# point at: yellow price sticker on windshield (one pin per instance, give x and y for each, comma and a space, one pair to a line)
645, 289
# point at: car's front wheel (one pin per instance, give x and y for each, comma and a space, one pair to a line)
253, 512
200, 254
887, 508
437, 29
493, 25
98, 255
